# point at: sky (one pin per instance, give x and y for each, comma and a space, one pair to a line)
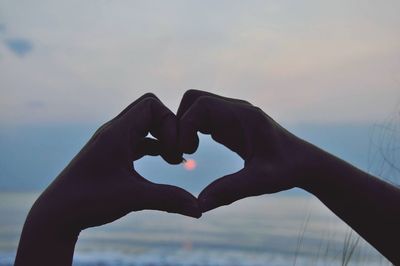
300, 61
326, 70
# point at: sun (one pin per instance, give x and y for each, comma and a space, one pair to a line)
190, 164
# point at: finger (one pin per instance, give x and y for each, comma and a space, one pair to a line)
170, 199
191, 96
215, 116
229, 189
144, 96
148, 146
151, 147
151, 116
126, 109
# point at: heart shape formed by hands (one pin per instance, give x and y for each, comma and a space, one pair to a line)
100, 185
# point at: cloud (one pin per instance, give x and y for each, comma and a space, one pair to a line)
19, 46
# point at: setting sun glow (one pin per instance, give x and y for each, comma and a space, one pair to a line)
190, 164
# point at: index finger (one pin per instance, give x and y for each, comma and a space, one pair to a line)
191, 96
215, 116
150, 115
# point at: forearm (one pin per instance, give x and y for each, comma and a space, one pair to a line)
41, 248
369, 205
45, 240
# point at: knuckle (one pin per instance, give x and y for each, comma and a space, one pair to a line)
211, 105
245, 102
149, 95
198, 107
145, 104
192, 93
150, 101
105, 129
256, 112
105, 134
255, 109
188, 99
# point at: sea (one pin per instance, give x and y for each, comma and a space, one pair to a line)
277, 230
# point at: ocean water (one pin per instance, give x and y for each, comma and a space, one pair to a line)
282, 229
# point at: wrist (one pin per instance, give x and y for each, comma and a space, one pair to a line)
320, 170
311, 164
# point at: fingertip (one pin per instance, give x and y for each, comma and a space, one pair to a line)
172, 157
223, 191
191, 205
186, 204
174, 200
193, 211
198, 215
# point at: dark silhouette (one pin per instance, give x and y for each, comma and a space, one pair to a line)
100, 186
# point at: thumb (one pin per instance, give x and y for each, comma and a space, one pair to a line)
229, 189
170, 199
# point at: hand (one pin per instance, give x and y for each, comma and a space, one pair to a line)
272, 156
100, 184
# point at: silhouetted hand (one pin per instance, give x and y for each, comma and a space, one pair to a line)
276, 160
270, 153
100, 185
